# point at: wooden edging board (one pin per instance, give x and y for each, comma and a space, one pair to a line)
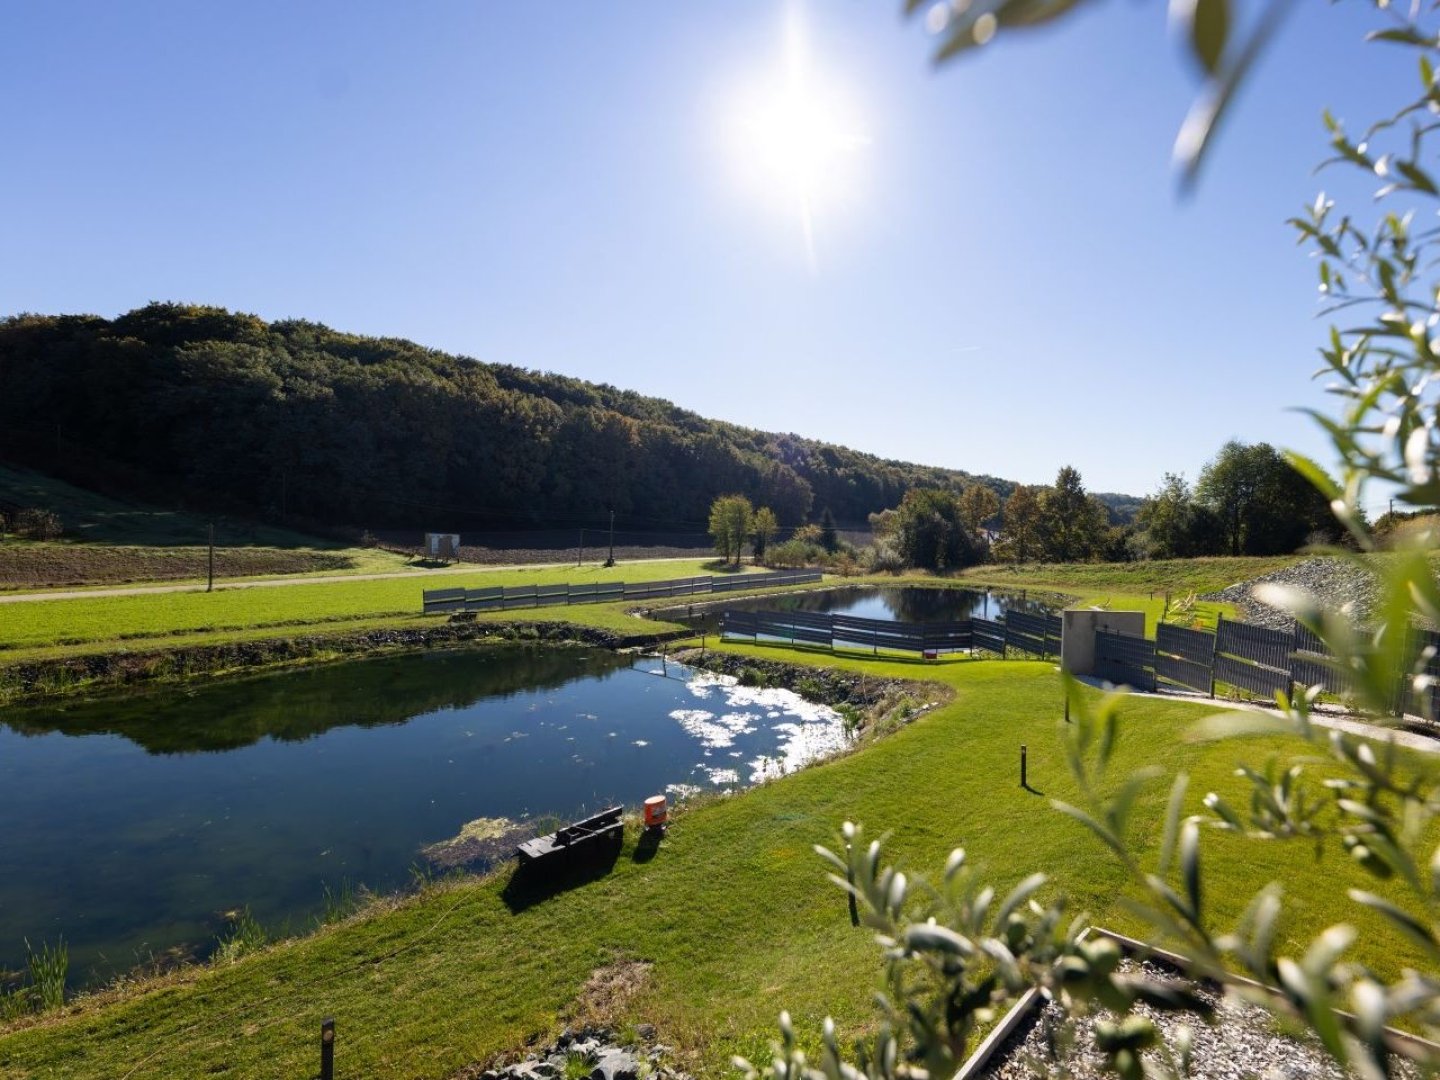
976, 1063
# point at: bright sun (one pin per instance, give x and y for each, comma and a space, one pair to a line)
796, 138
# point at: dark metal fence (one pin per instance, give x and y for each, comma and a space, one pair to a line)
1256, 659
929, 638
504, 598
1123, 658
1185, 657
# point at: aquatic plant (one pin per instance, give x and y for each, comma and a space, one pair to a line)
244, 936
48, 969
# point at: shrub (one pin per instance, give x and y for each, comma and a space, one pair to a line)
36, 524
883, 557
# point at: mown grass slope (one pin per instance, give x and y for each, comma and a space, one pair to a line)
113, 541
109, 621
733, 910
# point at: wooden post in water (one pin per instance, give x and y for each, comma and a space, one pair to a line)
327, 1048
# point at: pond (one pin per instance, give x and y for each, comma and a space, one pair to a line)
133, 825
893, 603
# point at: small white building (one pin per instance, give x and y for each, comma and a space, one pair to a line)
443, 546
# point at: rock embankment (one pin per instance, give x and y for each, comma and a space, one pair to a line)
824, 686
1338, 586
592, 1053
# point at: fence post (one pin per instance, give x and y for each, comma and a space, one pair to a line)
327, 1048
1024, 782
1215, 651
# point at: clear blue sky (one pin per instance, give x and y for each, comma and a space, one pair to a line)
1000, 276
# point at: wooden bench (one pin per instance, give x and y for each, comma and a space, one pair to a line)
574, 837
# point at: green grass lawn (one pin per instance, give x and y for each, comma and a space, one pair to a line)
227, 614
733, 911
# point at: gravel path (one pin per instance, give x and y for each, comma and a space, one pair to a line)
1241, 1043
1337, 584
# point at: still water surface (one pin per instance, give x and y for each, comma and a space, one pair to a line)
888, 602
132, 825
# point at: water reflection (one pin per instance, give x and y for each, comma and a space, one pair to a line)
909, 604
130, 824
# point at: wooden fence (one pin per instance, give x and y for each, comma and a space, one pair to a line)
1036, 634
505, 598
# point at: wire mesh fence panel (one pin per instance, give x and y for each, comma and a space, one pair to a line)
1026, 632
739, 624
437, 600
989, 635
548, 595
1125, 660
520, 596
949, 636
1312, 664
484, 599
1260, 644
1184, 657
1254, 678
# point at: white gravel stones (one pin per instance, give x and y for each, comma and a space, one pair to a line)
1241, 1043
1336, 584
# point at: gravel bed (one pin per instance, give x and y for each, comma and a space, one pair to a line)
1335, 583
1242, 1042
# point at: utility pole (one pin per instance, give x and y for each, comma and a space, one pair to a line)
210, 581
611, 560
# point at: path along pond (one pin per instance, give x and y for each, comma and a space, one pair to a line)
136, 826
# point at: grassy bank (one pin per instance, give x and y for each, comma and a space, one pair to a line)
732, 912
1154, 578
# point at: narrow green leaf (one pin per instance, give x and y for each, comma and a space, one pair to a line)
1110, 839
1018, 896
1190, 865
1208, 22
1172, 821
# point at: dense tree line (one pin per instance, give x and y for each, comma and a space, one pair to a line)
1247, 501
294, 421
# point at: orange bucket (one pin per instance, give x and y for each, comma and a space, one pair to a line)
655, 811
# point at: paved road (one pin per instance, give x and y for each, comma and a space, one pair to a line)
270, 583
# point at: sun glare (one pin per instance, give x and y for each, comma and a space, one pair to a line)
796, 137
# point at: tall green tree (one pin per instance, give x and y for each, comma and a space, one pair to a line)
763, 528
1263, 505
931, 532
978, 507
829, 537
731, 517
1069, 528
1020, 525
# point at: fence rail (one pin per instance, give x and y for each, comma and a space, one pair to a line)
506, 598
929, 638
1258, 660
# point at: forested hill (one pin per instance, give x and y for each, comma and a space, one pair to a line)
292, 419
